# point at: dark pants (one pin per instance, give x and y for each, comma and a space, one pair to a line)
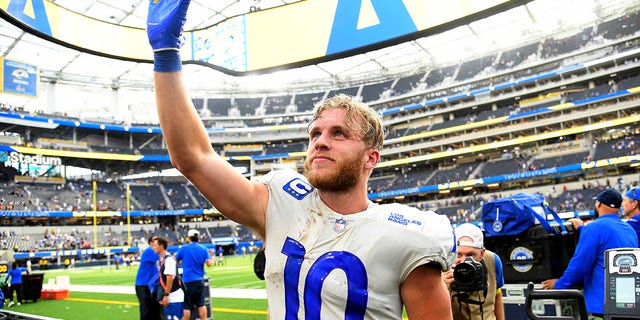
17, 288
150, 309
194, 294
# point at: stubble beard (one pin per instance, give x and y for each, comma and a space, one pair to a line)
345, 177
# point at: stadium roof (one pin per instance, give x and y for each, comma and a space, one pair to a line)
510, 29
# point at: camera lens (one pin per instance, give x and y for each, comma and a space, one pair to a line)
469, 276
464, 274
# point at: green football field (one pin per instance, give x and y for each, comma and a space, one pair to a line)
237, 273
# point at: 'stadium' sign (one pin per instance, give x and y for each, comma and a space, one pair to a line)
34, 159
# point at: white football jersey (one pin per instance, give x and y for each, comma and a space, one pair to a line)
325, 265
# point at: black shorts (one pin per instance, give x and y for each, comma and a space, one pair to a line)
194, 294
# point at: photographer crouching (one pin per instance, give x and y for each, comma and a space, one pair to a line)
475, 278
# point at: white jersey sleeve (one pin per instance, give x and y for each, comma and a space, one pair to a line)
344, 264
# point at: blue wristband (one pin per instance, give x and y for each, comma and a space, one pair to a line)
167, 61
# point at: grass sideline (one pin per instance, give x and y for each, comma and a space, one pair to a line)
237, 273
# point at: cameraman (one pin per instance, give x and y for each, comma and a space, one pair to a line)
484, 302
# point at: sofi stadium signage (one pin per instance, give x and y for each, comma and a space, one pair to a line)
30, 159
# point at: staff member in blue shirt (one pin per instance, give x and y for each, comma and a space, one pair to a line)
146, 279
194, 256
586, 267
631, 207
15, 274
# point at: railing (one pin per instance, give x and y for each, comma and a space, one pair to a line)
554, 295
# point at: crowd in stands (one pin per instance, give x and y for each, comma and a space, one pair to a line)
509, 162
49, 241
560, 199
81, 237
599, 89
77, 195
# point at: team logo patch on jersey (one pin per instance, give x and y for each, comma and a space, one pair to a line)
402, 220
339, 225
298, 188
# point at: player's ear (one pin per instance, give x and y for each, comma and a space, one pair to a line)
373, 157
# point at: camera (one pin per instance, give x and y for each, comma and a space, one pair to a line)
470, 276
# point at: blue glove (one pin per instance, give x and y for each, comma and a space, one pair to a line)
165, 21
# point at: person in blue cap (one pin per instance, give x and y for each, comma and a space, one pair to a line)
194, 257
586, 267
14, 277
631, 208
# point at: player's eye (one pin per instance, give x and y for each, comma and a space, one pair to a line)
339, 134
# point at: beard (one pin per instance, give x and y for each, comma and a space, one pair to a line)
345, 177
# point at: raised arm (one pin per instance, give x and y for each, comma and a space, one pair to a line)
187, 139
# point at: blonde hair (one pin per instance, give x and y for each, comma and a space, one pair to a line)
358, 117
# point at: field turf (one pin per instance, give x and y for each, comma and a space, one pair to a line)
237, 273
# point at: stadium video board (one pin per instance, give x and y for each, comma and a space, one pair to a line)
292, 35
19, 78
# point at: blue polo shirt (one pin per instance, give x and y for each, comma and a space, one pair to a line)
499, 272
15, 275
635, 224
193, 257
587, 264
148, 269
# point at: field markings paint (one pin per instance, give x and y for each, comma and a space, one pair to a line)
222, 277
214, 292
238, 293
252, 284
102, 289
230, 268
246, 285
226, 310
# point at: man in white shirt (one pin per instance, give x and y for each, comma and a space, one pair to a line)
172, 295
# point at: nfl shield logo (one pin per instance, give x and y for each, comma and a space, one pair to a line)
339, 225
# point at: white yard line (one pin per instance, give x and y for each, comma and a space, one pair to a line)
215, 292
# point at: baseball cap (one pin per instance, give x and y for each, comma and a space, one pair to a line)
193, 232
472, 231
609, 198
633, 193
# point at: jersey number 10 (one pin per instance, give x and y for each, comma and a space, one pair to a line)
352, 266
